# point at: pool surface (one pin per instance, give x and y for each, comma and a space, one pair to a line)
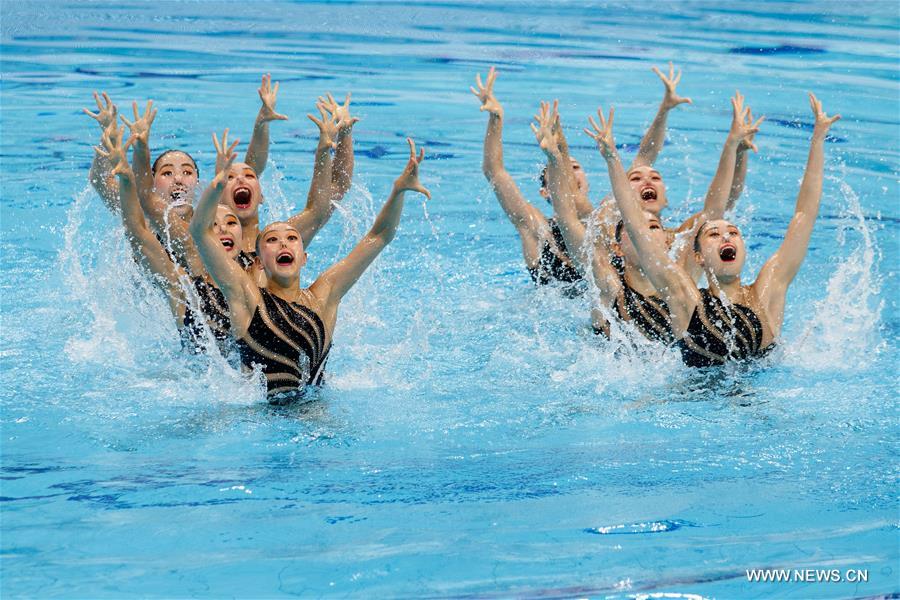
474, 439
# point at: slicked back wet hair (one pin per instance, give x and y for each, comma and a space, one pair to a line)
259, 236
697, 236
169, 151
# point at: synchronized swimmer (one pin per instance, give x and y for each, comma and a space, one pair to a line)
235, 284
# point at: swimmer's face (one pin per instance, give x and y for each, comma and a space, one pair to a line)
228, 229
649, 187
280, 250
580, 177
175, 180
243, 191
626, 248
722, 250
580, 180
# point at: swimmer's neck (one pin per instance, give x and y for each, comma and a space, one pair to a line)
731, 288
285, 288
249, 231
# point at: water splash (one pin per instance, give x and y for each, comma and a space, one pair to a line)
843, 333
277, 205
126, 333
662, 526
102, 340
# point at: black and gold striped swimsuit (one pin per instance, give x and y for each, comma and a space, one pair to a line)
288, 341
649, 314
551, 267
213, 312
245, 259
718, 333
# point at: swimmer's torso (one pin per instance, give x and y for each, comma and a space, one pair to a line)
211, 311
649, 314
718, 333
288, 340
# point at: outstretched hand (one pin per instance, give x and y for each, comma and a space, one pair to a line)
140, 127
341, 112
671, 99
602, 134
224, 158
268, 94
561, 142
485, 93
546, 129
409, 179
823, 121
747, 141
114, 150
743, 127
105, 114
327, 124
224, 153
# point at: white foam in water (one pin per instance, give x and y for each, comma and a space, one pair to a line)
277, 206
103, 341
357, 211
380, 365
377, 362
843, 331
128, 325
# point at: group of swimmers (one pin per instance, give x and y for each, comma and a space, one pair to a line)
644, 275
232, 282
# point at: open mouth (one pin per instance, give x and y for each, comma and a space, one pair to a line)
241, 197
227, 243
178, 196
648, 194
727, 253
285, 258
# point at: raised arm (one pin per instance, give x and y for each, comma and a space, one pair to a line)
527, 219
145, 248
742, 127
318, 207
258, 151
342, 168
651, 144
172, 230
582, 203
331, 286
655, 137
560, 182
562, 187
779, 271
100, 176
675, 285
239, 289
719, 195
740, 168
140, 157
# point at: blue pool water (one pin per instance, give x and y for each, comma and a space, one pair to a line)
474, 440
